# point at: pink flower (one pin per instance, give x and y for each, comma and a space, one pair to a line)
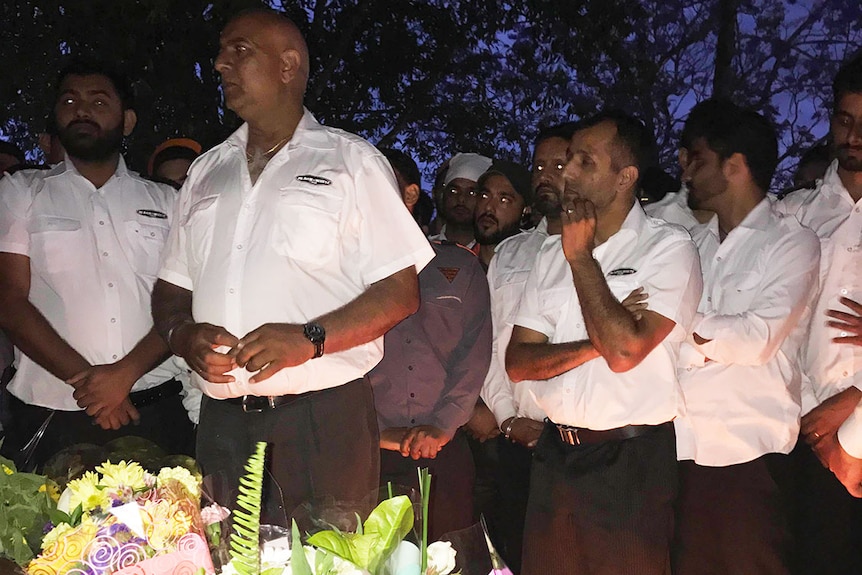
214, 513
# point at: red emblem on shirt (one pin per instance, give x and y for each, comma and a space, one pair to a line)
449, 273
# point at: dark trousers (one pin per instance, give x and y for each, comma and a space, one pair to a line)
827, 524
324, 446
452, 472
513, 479
601, 509
164, 422
733, 519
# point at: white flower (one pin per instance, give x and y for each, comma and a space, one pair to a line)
441, 558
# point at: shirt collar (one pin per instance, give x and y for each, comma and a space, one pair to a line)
832, 185
309, 133
632, 227
68, 167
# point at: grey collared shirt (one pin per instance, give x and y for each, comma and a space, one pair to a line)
435, 361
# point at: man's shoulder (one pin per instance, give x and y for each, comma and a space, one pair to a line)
452, 252
665, 230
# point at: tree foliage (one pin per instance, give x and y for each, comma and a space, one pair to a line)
437, 76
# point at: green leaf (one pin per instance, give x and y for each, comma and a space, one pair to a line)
298, 561
75, 517
335, 542
391, 521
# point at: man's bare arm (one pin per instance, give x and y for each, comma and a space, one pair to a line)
25, 325
620, 338
275, 346
530, 356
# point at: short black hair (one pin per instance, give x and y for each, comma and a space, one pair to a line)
633, 145
700, 115
848, 80
91, 67
404, 165
731, 129
563, 131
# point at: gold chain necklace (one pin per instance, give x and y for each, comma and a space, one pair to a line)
250, 157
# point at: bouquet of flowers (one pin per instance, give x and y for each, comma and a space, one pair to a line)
376, 547
122, 516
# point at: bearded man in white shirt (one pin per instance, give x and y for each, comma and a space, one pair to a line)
79, 249
739, 371
604, 469
293, 254
830, 540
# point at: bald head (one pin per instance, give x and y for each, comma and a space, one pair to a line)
263, 62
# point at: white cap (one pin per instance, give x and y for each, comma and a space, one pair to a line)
468, 166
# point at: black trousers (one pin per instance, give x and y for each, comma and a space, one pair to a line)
601, 509
323, 447
164, 422
513, 479
827, 523
452, 472
734, 519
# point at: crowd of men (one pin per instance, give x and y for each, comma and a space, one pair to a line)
618, 388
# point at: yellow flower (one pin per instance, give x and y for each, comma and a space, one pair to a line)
122, 474
184, 476
54, 534
88, 493
165, 522
68, 548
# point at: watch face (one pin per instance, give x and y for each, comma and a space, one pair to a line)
314, 332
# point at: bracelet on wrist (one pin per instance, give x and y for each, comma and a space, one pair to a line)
508, 431
174, 328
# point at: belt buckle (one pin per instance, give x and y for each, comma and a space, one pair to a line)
569, 435
247, 408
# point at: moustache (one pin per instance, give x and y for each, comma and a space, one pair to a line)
546, 189
485, 217
849, 147
85, 122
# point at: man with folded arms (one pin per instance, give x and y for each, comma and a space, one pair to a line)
739, 370
604, 469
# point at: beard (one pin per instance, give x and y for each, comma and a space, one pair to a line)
94, 146
494, 236
547, 204
846, 161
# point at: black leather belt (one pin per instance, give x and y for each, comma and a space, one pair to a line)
150, 396
581, 436
259, 403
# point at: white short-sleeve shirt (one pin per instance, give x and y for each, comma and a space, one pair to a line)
94, 256
647, 253
323, 222
507, 275
759, 283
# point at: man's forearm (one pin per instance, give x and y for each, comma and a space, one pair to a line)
373, 313
147, 354
540, 361
611, 328
172, 307
30, 332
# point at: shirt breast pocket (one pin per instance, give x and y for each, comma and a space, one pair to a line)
147, 241
57, 244
306, 226
738, 291
198, 227
622, 286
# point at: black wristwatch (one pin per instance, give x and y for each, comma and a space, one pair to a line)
316, 335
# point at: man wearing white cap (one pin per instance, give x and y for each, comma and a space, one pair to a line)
456, 201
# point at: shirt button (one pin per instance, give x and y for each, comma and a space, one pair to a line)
114, 356
407, 340
709, 298
845, 374
844, 292
113, 320
105, 254
412, 421
101, 222
718, 258
231, 290
409, 368
152, 234
239, 246
412, 395
110, 284
849, 249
